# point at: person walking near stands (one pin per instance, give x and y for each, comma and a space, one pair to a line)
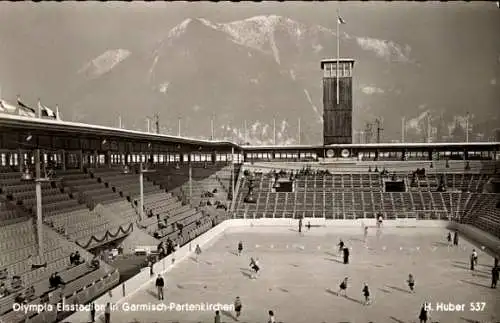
160, 283
107, 313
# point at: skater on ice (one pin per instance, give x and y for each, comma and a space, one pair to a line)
197, 251
217, 317
254, 265
423, 316
366, 294
473, 259
495, 275
411, 283
240, 248
455, 238
271, 319
343, 287
341, 245
380, 220
346, 255
237, 307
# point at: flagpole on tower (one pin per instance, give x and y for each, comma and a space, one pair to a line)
338, 53
39, 109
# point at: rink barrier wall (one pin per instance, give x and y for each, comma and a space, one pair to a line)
478, 237
128, 288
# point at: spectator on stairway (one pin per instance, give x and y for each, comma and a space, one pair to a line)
72, 258
3, 274
55, 280
30, 293
78, 259
16, 283
170, 246
95, 263
180, 226
20, 298
3, 290
45, 298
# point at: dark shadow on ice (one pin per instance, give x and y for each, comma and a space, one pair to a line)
230, 315
474, 283
246, 274
399, 289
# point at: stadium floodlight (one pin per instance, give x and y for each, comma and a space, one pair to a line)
27, 176
141, 188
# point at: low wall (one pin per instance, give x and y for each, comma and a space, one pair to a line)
337, 223
478, 237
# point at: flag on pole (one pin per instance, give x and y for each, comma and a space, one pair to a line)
25, 110
7, 108
340, 20
46, 112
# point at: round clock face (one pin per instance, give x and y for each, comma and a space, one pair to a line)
345, 153
330, 153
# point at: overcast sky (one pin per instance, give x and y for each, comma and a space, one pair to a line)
38, 41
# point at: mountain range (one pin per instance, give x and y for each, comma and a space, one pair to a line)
264, 71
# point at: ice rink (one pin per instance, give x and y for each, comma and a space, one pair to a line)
301, 274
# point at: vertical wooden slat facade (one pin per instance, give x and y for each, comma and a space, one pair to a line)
337, 118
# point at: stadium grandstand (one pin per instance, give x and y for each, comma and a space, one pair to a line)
104, 192
85, 210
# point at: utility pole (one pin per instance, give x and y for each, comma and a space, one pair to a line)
403, 129
246, 133
299, 134
368, 133
179, 128
212, 136
157, 122
379, 129
467, 128
428, 127
274, 131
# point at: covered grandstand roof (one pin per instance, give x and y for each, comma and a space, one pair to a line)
15, 121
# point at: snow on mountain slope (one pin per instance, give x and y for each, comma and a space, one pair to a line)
104, 63
259, 33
